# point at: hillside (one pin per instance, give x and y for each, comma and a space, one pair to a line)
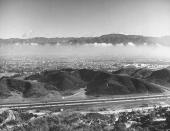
68, 81
161, 77
97, 82
126, 70
25, 88
119, 84
141, 73
61, 79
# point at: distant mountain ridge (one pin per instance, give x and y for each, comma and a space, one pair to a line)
109, 38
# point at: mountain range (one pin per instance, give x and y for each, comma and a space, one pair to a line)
109, 38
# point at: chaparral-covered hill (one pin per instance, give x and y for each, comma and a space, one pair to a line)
161, 77
67, 80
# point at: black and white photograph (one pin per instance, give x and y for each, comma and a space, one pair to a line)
84, 65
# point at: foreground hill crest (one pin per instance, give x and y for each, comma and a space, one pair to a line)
67, 81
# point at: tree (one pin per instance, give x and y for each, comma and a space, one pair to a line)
167, 116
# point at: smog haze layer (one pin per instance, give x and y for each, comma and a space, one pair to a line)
86, 50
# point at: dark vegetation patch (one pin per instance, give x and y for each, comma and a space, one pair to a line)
96, 82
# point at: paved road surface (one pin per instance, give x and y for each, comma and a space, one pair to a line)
82, 102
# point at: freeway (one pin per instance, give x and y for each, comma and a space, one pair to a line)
81, 102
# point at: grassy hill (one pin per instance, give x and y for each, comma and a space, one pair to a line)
110, 84
67, 81
61, 79
25, 88
97, 82
132, 71
161, 77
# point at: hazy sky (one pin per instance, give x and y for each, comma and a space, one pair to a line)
63, 18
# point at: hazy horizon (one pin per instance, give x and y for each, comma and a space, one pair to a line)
82, 36
87, 50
